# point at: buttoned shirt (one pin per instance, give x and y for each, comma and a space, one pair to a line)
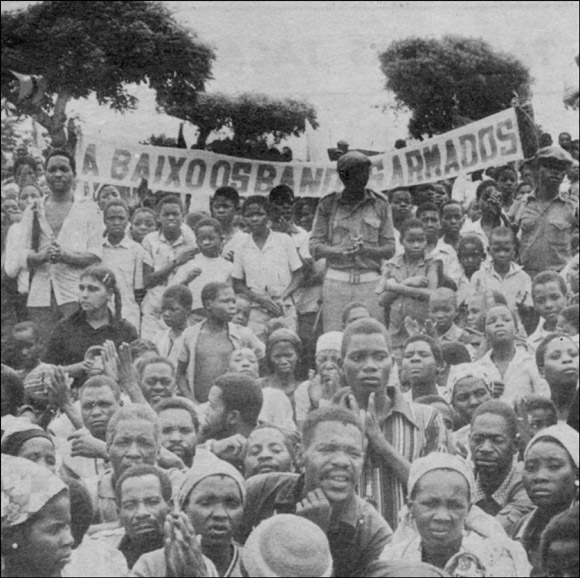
356, 539
337, 220
521, 377
516, 286
448, 256
267, 270
169, 344
546, 232
126, 261
81, 232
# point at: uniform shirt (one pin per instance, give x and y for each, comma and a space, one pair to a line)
516, 286
337, 220
81, 232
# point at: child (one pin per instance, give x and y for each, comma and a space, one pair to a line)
452, 220
207, 346
407, 282
568, 322
224, 207
125, 258
143, 222
442, 312
471, 255
454, 354
241, 319
354, 311
402, 209
207, 266
507, 179
549, 293
502, 274
175, 309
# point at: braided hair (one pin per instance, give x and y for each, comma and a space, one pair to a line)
108, 279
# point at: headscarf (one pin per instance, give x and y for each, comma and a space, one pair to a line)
330, 340
287, 545
15, 438
464, 371
279, 336
26, 489
205, 469
566, 436
441, 461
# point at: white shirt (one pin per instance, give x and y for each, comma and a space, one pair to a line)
517, 283
448, 256
538, 335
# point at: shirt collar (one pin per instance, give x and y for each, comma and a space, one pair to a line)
500, 496
559, 197
400, 405
125, 243
179, 241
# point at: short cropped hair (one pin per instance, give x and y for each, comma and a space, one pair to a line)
209, 222
543, 347
179, 293
133, 411
451, 202
101, 381
484, 185
570, 314
140, 471
550, 277
211, 291
241, 393
259, 200
13, 388
170, 200
503, 232
427, 207
116, 203
533, 402
391, 192
411, 224
505, 169
470, 240
502, 409
140, 346
228, 193
143, 363
330, 413
455, 353
349, 307
179, 403
144, 210
368, 326
283, 191
63, 153
561, 528
433, 344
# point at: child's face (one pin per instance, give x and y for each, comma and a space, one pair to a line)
502, 250
401, 205
419, 364
171, 219
476, 313
499, 325
549, 300
573, 275
27, 348
284, 358
108, 194
223, 210
174, 314
28, 195
539, 419
355, 314
452, 219
490, 202
446, 414
243, 309
245, 361
116, 220
256, 219
565, 327
442, 312
432, 223
143, 224
414, 242
223, 307
561, 362
471, 258
441, 195
507, 182
208, 241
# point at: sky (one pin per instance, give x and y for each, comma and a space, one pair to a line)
327, 53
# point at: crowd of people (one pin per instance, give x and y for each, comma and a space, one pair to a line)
389, 388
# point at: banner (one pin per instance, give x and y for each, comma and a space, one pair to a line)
492, 141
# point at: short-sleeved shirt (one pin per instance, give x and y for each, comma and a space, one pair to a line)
356, 539
267, 270
81, 232
448, 256
546, 232
337, 220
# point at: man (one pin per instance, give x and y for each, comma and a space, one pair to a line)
398, 431
332, 456
546, 218
179, 427
353, 230
494, 445
61, 237
156, 379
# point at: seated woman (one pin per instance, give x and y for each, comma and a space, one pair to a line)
440, 525
550, 478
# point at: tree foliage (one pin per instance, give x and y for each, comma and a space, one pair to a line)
84, 48
431, 77
251, 117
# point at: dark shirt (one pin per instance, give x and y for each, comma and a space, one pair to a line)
72, 337
133, 552
356, 540
573, 417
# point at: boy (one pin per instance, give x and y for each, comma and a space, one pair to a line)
471, 255
166, 250
224, 206
206, 266
175, 309
452, 219
402, 209
143, 222
207, 346
407, 282
442, 312
502, 274
243, 310
549, 293
267, 268
125, 258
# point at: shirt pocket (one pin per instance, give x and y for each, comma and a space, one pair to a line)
560, 231
370, 230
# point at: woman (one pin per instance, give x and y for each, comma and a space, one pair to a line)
92, 325
550, 478
269, 449
440, 525
36, 522
32, 443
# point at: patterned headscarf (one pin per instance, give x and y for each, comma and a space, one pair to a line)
464, 371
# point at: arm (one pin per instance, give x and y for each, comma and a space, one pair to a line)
269, 305
320, 246
181, 378
295, 283
152, 278
77, 260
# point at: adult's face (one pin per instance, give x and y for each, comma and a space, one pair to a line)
142, 508
492, 445
215, 426
93, 295
48, 541
561, 363
356, 176
59, 175
367, 363
40, 451
98, 404
550, 173
328, 364
133, 443
439, 507
333, 460
171, 219
284, 358
401, 203
178, 433
468, 395
215, 508
549, 475
157, 382
500, 326
419, 363
266, 452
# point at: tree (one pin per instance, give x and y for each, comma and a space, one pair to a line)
434, 77
84, 48
251, 118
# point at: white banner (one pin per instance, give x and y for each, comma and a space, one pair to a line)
492, 141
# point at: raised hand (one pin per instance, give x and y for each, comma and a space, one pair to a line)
316, 508
84, 445
230, 449
110, 361
183, 556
